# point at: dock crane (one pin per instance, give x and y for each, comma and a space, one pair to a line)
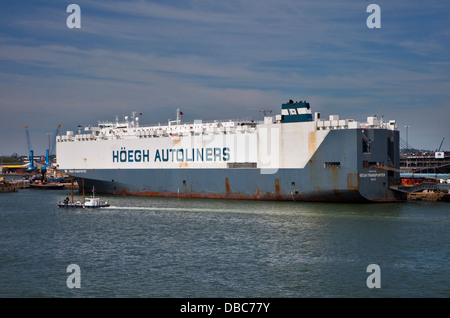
51, 149
30, 151
441, 145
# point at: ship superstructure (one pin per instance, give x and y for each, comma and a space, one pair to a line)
295, 155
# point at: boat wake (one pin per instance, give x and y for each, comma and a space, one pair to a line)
171, 209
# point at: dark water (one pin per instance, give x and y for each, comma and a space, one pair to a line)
159, 247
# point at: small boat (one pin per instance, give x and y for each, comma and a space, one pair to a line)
95, 203
89, 203
47, 185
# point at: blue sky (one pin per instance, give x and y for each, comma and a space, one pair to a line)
219, 59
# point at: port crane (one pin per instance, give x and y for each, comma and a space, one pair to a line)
441, 145
51, 148
32, 167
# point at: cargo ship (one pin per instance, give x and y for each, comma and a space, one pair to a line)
294, 156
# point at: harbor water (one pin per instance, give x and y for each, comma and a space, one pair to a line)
171, 247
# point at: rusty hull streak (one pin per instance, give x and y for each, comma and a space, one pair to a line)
312, 143
350, 184
227, 187
277, 186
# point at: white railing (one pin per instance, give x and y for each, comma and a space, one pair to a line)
372, 122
